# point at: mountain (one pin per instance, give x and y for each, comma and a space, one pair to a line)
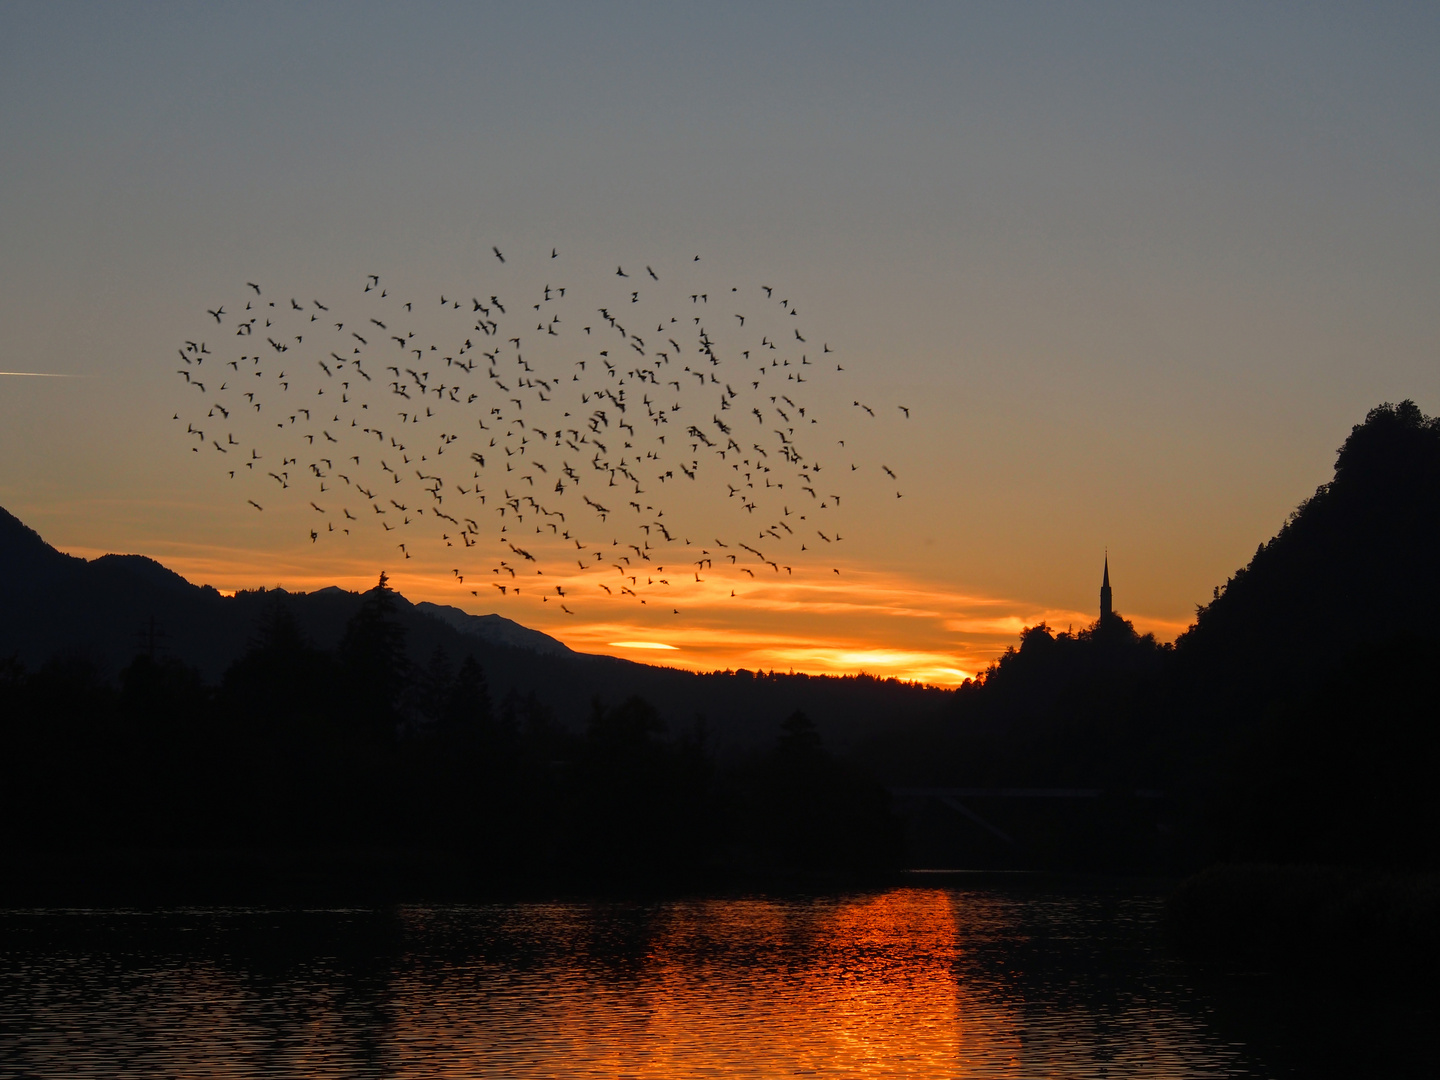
106, 610
495, 629
52, 603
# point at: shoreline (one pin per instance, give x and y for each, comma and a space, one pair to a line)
307, 877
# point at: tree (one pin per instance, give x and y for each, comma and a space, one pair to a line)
375, 666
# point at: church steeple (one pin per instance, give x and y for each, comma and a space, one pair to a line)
1105, 611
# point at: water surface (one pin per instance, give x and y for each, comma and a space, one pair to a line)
913, 982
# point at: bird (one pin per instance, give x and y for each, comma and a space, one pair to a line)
609, 424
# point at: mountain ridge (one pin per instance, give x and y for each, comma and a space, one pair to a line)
106, 610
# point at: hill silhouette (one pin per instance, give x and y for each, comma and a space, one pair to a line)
100, 611
1353, 569
1307, 689
1295, 720
1306, 700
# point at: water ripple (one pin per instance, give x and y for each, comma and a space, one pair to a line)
909, 982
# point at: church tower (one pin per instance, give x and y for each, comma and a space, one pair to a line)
1105, 611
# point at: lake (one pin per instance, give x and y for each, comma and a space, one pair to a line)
1051, 981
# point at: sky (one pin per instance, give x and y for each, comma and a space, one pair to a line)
1134, 269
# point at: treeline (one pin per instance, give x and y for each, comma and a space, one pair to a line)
303, 749
1068, 709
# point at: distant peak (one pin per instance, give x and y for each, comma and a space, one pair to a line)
495, 629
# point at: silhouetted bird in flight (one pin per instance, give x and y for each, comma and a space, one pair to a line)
586, 427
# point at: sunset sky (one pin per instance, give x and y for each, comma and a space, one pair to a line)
1135, 270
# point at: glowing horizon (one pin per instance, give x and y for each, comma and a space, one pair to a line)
884, 624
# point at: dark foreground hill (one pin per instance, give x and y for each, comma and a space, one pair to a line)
1297, 720
1307, 694
1354, 570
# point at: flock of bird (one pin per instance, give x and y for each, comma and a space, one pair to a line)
520, 428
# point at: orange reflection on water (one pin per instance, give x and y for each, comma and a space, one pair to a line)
909, 983
862, 986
